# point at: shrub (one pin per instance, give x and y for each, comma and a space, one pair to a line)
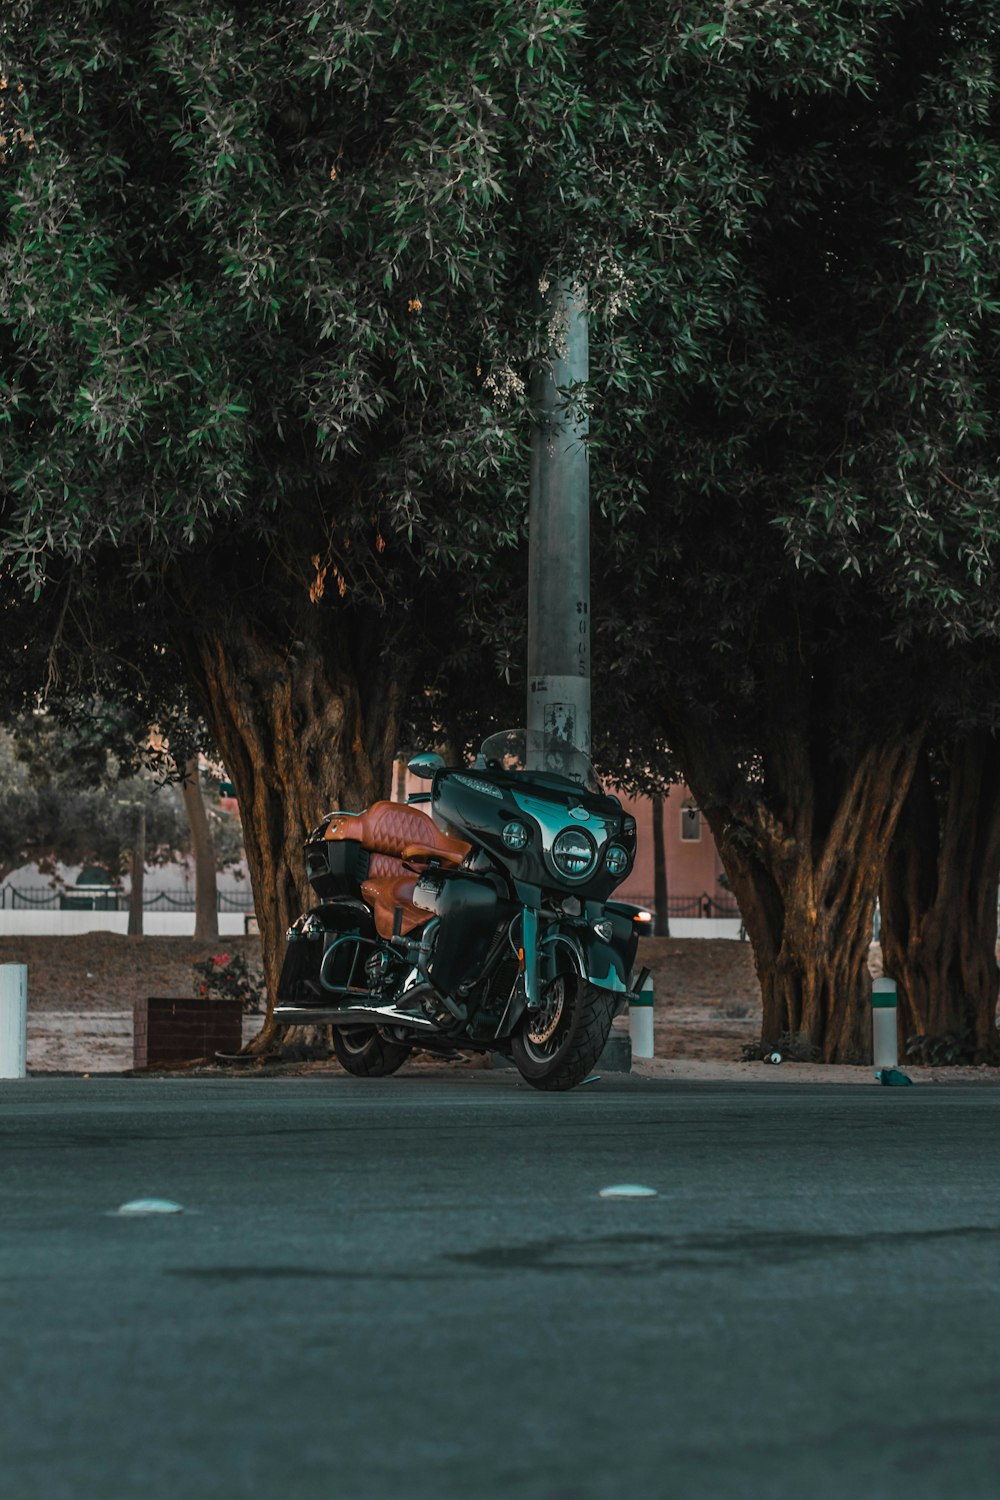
947, 1050
228, 976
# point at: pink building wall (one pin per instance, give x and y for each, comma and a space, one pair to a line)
693, 865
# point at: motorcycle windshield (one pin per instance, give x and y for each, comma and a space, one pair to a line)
508, 751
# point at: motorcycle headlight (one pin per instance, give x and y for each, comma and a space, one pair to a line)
574, 853
617, 859
515, 835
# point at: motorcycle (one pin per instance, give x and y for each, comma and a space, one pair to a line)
486, 925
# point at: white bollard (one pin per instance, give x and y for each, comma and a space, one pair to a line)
640, 1020
884, 1043
13, 1020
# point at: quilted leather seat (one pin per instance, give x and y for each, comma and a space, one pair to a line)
387, 829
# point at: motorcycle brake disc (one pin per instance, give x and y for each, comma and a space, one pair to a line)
544, 1021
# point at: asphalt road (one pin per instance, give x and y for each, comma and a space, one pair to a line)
411, 1289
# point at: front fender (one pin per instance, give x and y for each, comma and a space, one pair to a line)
607, 966
606, 963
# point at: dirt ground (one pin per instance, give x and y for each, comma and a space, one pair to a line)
81, 991
104, 971
706, 997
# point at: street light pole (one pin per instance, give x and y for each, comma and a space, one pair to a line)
559, 540
559, 561
137, 893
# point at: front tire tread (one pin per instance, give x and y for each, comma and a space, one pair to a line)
590, 1031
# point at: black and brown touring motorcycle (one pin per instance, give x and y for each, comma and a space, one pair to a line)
486, 925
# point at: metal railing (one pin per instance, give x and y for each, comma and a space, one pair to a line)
111, 898
693, 906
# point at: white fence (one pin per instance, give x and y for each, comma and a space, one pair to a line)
233, 924
67, 923
704, 927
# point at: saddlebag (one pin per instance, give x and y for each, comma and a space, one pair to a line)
327, 949
336, 867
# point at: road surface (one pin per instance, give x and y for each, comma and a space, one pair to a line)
411, 1288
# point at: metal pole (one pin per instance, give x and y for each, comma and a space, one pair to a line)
559, 540
137, 894
13, 1020
661, 919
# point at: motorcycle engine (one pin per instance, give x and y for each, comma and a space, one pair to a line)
385, 974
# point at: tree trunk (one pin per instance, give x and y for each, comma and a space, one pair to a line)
298, 737
138, 874
804, 868
401, 781
206, 890
661, 917
939, 904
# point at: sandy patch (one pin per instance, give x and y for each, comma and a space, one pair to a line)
74, 1041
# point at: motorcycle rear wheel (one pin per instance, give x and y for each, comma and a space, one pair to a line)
558, 1045
365, 1052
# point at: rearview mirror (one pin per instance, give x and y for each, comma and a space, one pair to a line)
425, 765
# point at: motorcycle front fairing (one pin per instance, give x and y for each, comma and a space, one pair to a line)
483, 807
517, 819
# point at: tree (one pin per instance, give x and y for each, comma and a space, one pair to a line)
51, 815
269, 313
822, 541
938, 893
799, 529
68, 799
22, 813
258, 373
265, 275
206, 908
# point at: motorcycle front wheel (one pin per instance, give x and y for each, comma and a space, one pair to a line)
558, 1044
365, 1052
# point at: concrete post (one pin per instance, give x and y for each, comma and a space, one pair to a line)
13, 1020
559, 541
640, 1019
885, 1046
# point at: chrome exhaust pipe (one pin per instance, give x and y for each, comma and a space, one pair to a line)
352, 1015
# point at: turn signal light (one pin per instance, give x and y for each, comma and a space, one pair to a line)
642, 917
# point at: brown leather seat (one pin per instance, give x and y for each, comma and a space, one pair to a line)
387, 829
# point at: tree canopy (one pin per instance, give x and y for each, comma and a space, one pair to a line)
65, 799
269, 313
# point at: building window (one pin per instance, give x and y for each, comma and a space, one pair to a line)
690, 825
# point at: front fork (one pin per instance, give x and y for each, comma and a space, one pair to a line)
604, 958
596, 960
528, 956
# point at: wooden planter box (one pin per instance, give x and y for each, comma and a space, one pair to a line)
170, 1030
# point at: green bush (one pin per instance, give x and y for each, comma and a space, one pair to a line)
228, 976
950, 1049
